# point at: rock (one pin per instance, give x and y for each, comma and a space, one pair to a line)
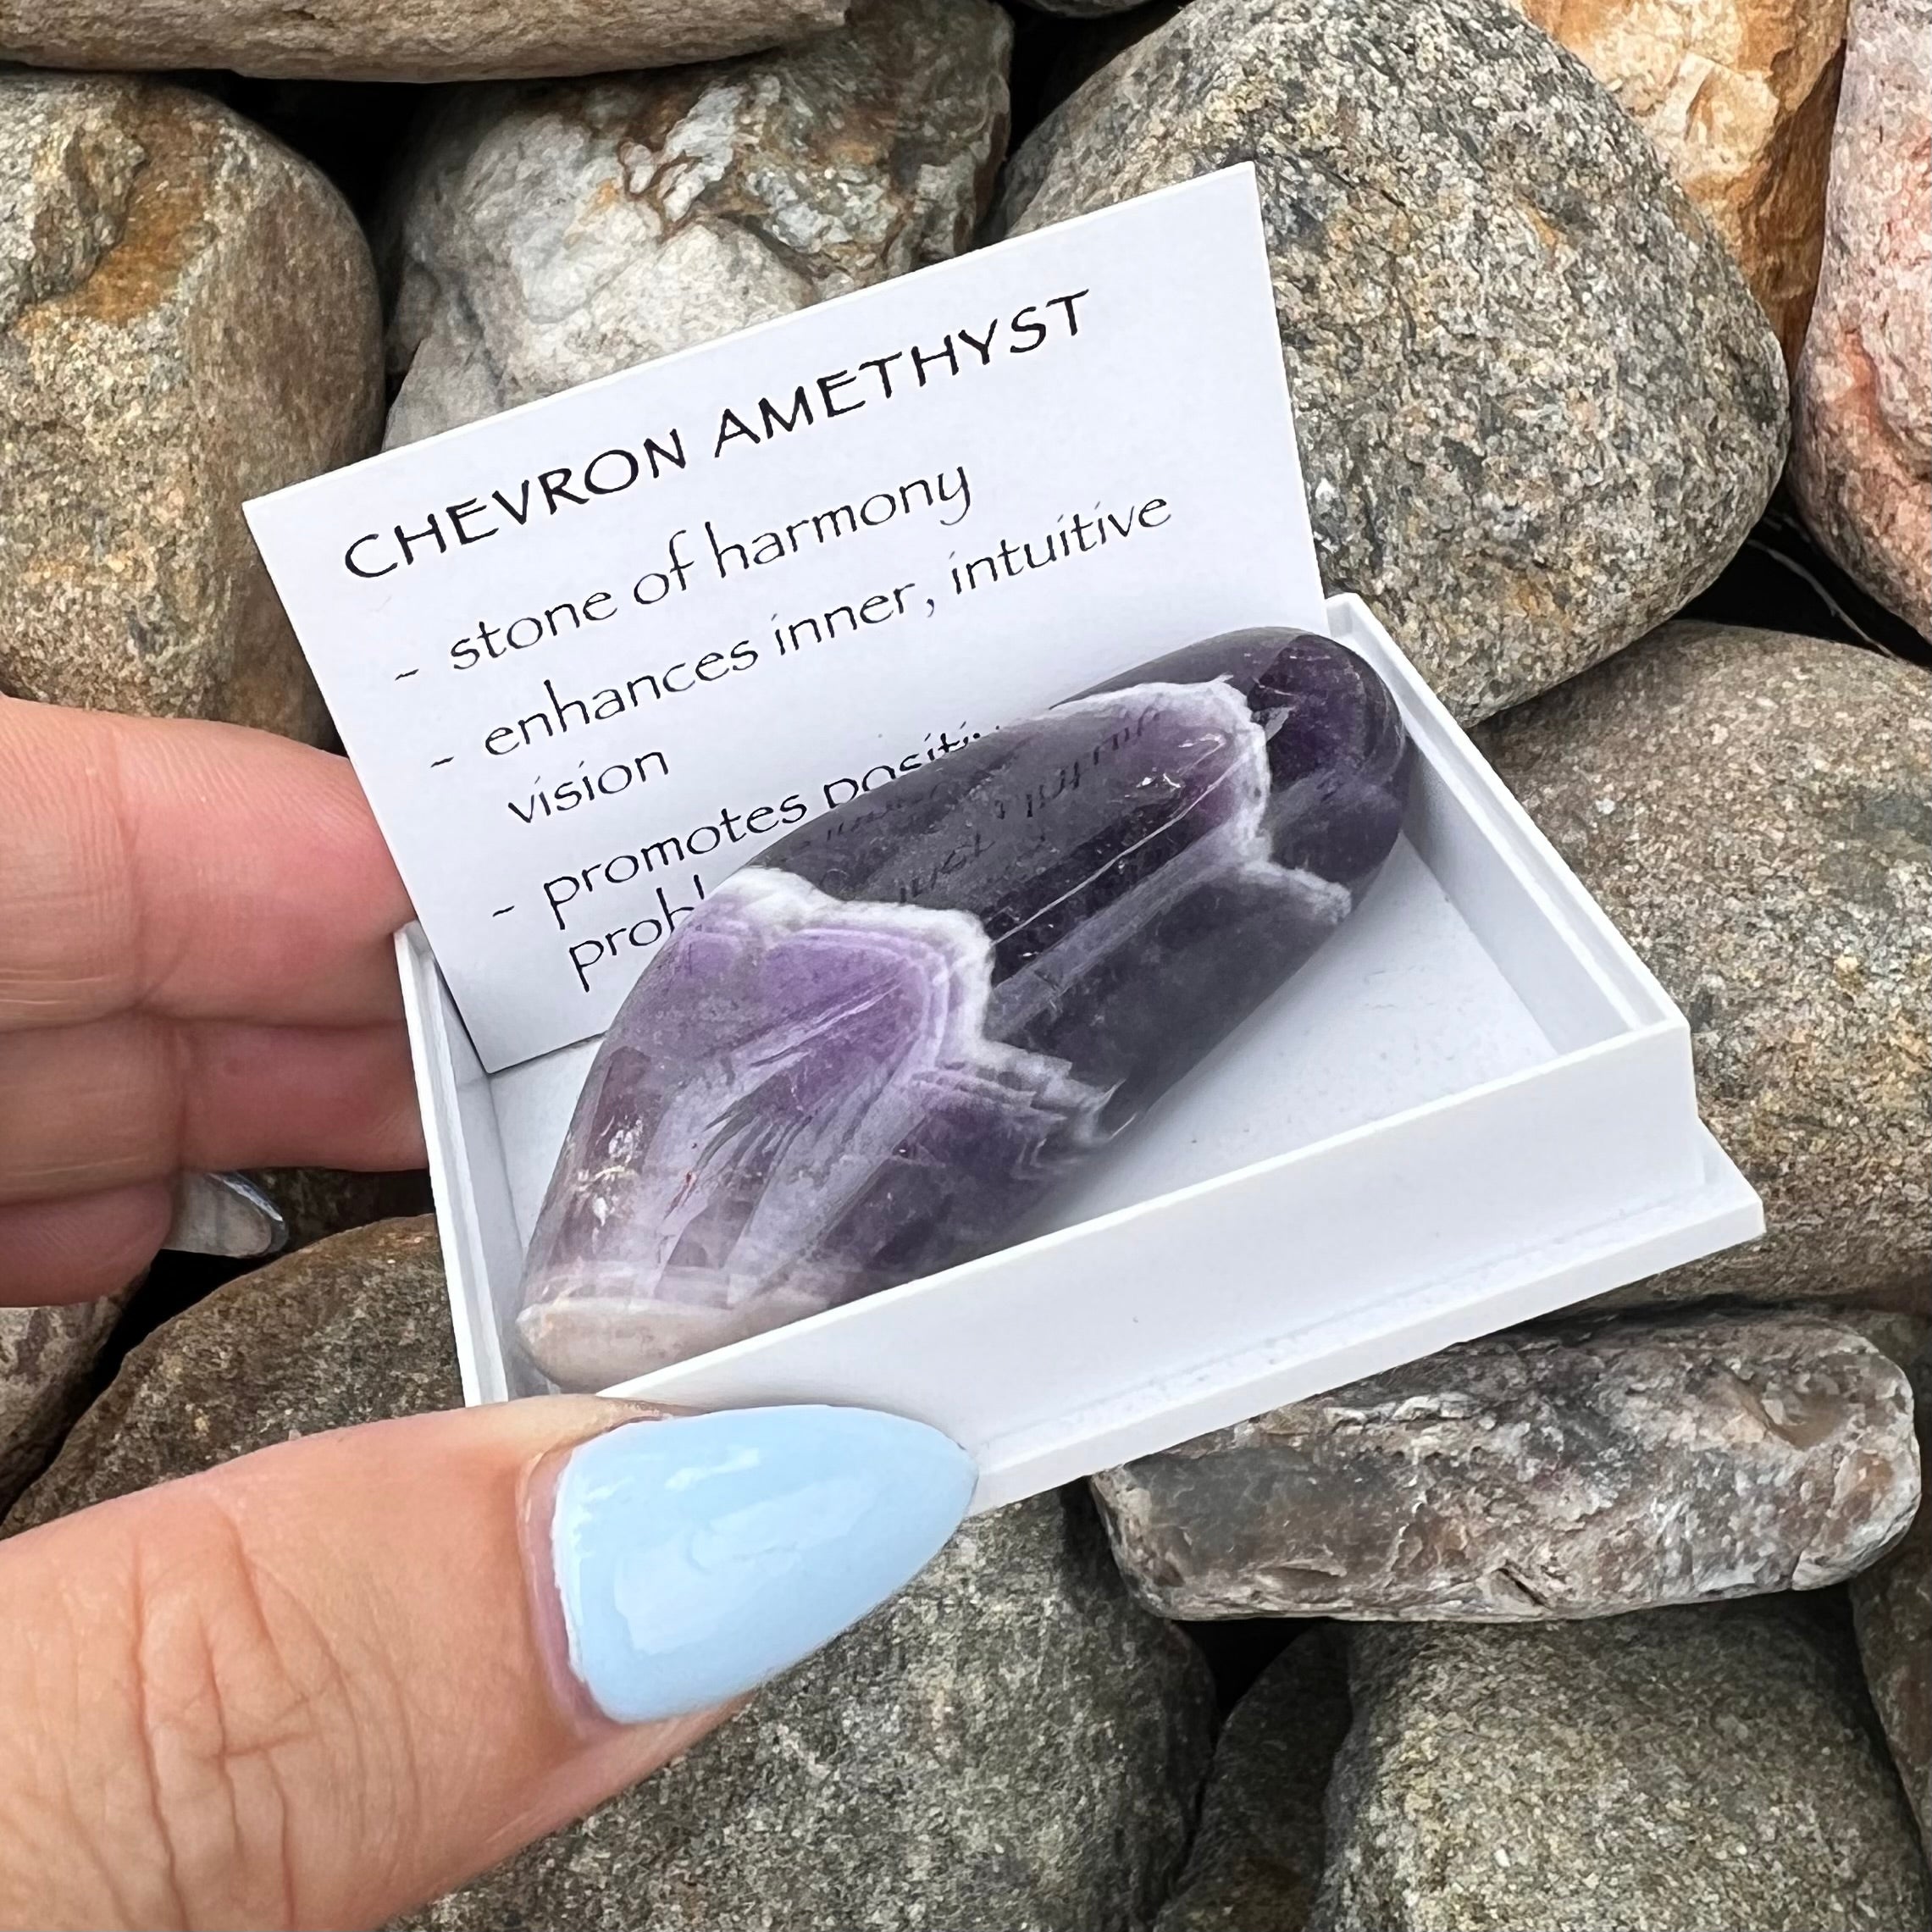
351, 1330
1711, 1768
1574, 1472
46, 1356
188, 318
1751, 809
318, 1201
993, 1006
1258, 1855
1891, 1609
1861, 441
542, 236
1010, 1743
1738, 96
366, 39
1538, 407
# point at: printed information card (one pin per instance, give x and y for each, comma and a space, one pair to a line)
590, 656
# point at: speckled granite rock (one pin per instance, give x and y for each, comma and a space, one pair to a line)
1862, 442
1738, 96
1574, 1472
1892, 1608
370, 40
1752, 809
1011, 1743
351, 1330
47, 1355
1538, 407
1687, 1770
542, 236
1258, 1853
187, 318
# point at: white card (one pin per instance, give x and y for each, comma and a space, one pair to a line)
591, 654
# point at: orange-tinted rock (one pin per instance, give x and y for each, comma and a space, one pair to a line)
188, 318
1737, 96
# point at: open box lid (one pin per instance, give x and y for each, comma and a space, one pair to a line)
1474, 1107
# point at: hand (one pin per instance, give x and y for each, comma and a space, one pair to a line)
321, 1684
195, 973
318, 1685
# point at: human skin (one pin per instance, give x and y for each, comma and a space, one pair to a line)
195, 973
248, 1697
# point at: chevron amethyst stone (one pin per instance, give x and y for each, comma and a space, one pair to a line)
875, 1050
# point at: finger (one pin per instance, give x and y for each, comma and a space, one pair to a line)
321, 1684
74, 1250
201, 870
133, 1098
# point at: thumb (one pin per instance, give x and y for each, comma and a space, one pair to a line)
320, 1683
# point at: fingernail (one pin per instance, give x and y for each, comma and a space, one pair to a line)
697, 1557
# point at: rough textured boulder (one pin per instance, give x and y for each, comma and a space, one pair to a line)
1710, 1768
47, 1355
1862, 443
188, 318
348, 1330
1568, 1473
1008, 1744
1738, 96
372, 40
542, 236
1750, 808
1891, 1606
1538, 407
1011, 1743
1259, 1852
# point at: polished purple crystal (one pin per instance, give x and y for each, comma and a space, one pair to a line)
875, 1050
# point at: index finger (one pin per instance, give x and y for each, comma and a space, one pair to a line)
194, 870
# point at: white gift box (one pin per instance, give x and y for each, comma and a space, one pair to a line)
1473, 1107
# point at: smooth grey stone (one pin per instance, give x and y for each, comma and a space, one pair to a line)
1539, 1475
1538, 407
1684, 1770
1754, 811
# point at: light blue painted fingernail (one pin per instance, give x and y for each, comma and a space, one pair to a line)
696, 1557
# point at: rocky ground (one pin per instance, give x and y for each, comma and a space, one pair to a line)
1608, 328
